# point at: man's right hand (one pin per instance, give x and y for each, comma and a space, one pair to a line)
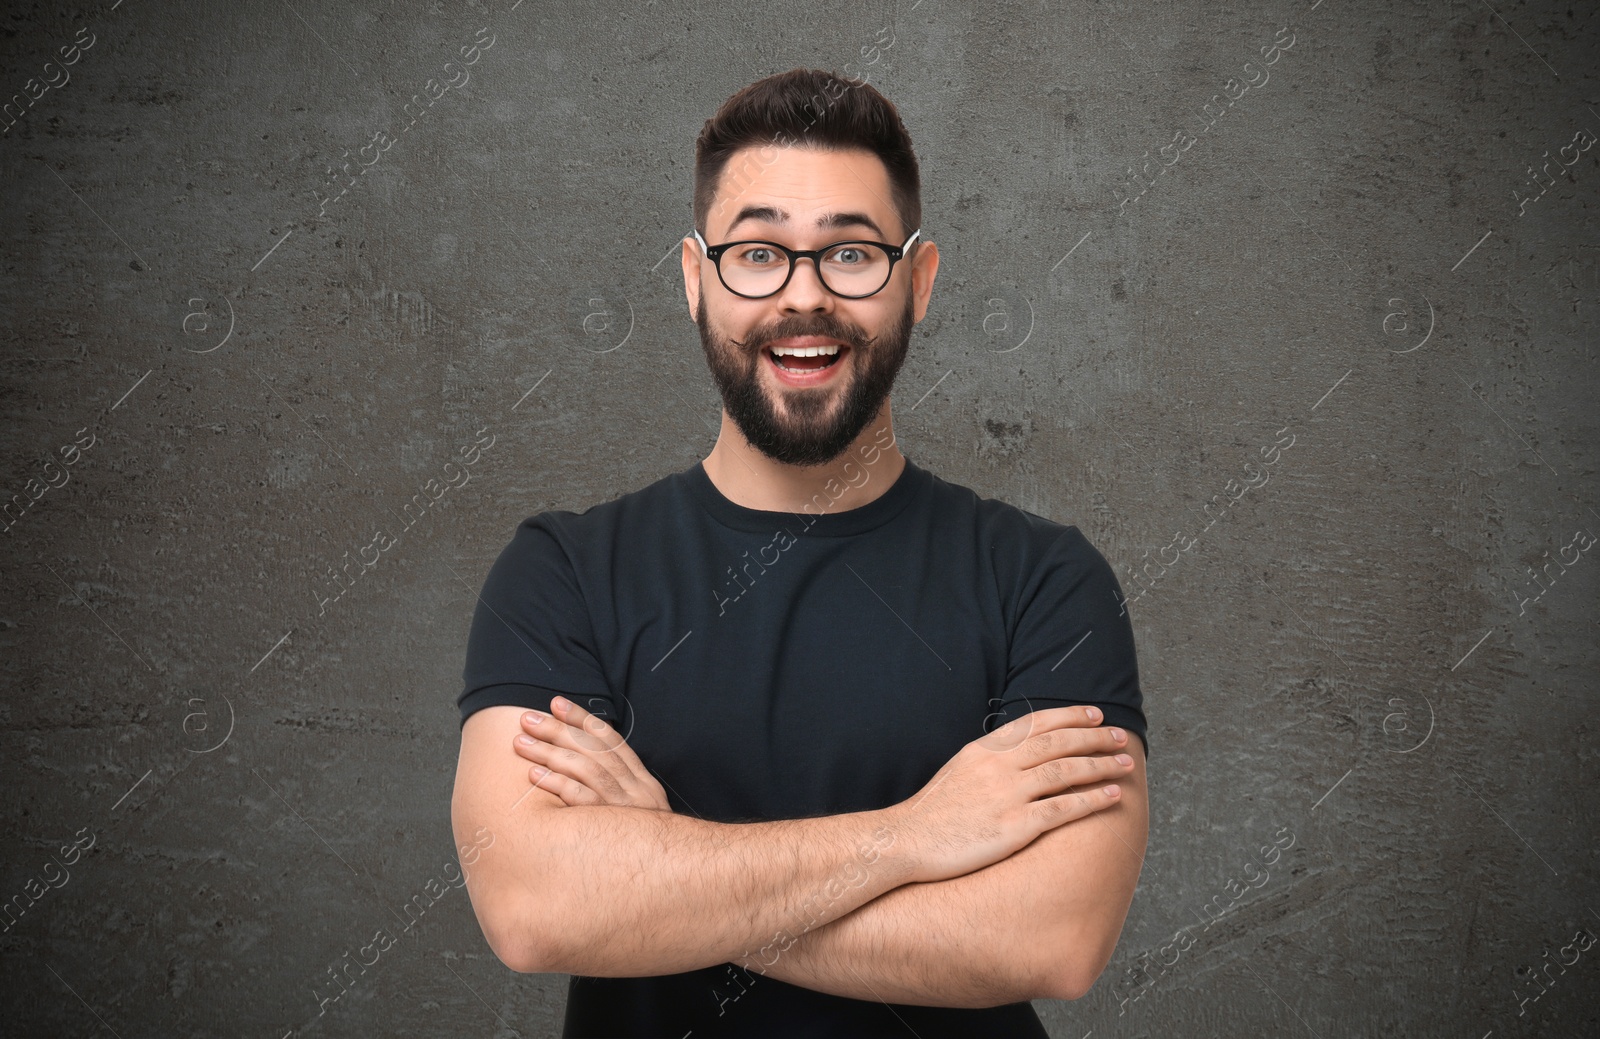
1005, 788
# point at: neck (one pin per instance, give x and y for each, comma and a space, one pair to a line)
860, 474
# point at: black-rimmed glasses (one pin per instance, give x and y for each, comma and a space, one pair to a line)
758, 269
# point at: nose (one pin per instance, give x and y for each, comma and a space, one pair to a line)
805, 292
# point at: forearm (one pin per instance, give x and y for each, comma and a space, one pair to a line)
610, 891
1039, 924
972, 941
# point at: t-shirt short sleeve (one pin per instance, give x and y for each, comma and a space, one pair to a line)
531, 635
1073, 641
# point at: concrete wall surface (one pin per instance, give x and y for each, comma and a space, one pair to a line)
269, 267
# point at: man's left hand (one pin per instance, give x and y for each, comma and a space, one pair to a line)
587, 762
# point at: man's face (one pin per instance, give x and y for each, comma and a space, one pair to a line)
805, 199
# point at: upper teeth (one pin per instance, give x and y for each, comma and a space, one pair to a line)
806, 351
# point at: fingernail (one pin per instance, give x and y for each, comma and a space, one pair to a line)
525, 741
539, 771
558, 704
1122, 759
1093, 713
1112, 790
533, 717
1118, 735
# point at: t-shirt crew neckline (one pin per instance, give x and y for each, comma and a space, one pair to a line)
873, 514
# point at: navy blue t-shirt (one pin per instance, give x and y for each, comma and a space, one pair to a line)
774, 665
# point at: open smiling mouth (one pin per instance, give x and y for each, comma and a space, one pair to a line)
805, 360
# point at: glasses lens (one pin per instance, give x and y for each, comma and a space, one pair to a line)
754, 268
855, 268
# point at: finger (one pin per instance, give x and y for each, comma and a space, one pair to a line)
1046, 719
594, 771
1053, 811
555, 760
571, 792
601, 773
1102, 739
532, 749
1113, 736
591, 732
1063, 774
599, 730
542, 725
551, 729
1075, 740
1075, 716
612, 768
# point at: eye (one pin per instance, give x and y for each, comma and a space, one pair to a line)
758, 255
850, 255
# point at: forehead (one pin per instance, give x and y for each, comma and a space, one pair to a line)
801, 189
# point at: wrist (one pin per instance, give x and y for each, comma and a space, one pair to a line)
889, 847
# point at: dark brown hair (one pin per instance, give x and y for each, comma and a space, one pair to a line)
806, 108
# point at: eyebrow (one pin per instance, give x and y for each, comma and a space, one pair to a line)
774, 215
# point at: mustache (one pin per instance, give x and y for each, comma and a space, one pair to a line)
797, 326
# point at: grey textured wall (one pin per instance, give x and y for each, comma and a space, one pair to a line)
1324, 396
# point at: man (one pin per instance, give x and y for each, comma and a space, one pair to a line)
785, 744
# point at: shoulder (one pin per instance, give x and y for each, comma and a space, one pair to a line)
557, 560
599, 526
1009, 530
1031, 558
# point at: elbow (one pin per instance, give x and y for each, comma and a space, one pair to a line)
1070, 980
513, 951
1080, 981
506, 928
510, 947
1067, 981
1075, 968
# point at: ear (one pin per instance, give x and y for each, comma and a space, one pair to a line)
691, 273
924, 266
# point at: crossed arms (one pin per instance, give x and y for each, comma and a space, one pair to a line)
617, 890
1041, 924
